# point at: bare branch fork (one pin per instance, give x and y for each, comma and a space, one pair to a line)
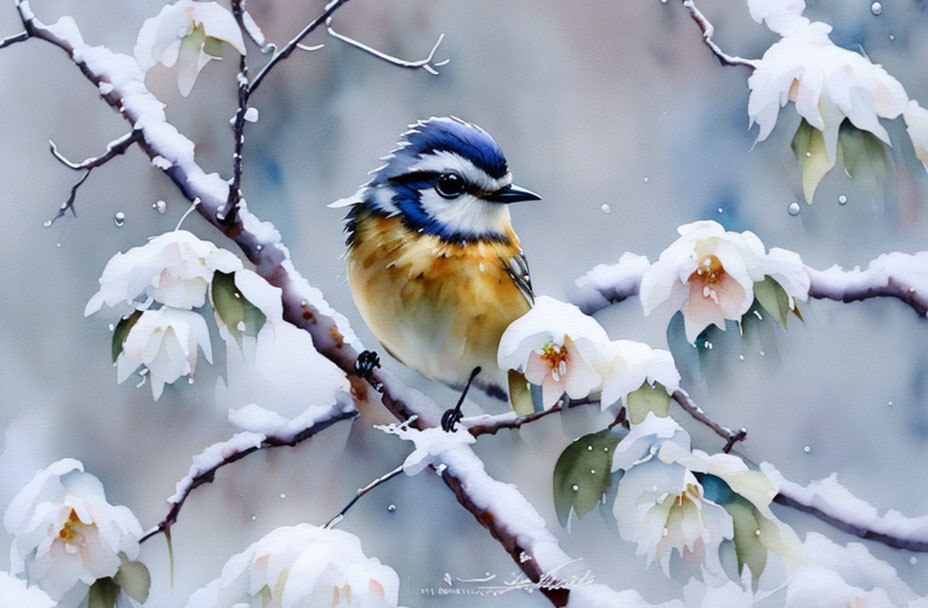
708, 30
113, 149
200, 477
425, 64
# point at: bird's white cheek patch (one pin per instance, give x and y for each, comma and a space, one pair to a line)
466, 215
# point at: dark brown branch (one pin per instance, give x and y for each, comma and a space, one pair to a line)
113, 149
69, 203
292, 45
730, 437
22, 36
490, 425
207, 476
865, 533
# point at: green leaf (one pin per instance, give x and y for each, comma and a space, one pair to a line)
809, 147
103, 593
133, 578
773, 298
582, 474
648, 399
520, 394
122, 331
241, 317
865, 158
750, 550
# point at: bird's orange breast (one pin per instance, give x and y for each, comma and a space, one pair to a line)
438, 307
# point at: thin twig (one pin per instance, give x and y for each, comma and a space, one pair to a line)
292, 45
707, 32
69, 204
426, 64
113, 149
207, 476
490, 425
361, 492
687, 403
22, 36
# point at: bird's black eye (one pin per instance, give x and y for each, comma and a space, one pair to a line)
449, 185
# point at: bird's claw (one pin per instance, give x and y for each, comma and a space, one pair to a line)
365, 365
450, 418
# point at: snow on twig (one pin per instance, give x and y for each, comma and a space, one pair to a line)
266, 430
833, 503
708, 30
425, 64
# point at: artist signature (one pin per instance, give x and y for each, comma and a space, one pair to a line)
493, 585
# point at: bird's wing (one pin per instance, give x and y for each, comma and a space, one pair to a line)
518, 270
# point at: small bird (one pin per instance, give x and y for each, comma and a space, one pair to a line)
434, 265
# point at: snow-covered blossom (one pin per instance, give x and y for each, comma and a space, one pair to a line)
625, 365
187, 33
553, 344
66, 535
916, 122
661, 506
15, 593
849, 575
826, 82
165, 341
302, 566
174, 269
431, 444
707, 273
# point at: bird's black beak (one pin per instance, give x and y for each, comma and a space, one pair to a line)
511, 194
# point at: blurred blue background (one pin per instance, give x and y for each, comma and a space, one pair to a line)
594, 103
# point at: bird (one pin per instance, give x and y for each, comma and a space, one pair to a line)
434, 265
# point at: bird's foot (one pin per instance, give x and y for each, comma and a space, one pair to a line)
451, 417
365, 365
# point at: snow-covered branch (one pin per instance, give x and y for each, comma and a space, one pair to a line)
14, 39
264, 430
834, 504
490, 424
708, 30
898, 275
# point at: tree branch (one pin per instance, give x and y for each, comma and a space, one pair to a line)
361, 492
426, 64
897, 275
292, 45
730, 437
14, 39
708, 30
204, 467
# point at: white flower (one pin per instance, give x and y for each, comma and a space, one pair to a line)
554, 344
625, 365
707, 273
164, 341
780, 15
826, 82
661, 506
187, 33
849, 575
15, 593
174, 268
300, 567
65, 534
431, 444
916, 122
